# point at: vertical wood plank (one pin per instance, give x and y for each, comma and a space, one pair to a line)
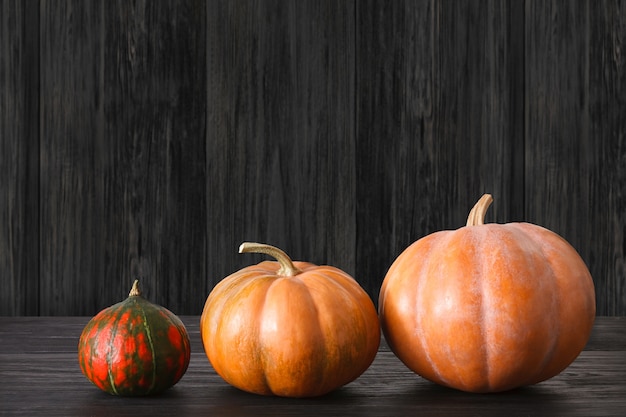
517, 121
574, 169
70, 48
473, 110
12, 155
123, 154
153, 150
557, 142
605, 244
280, 138
149, 140
433, 121
396, 151
19, 142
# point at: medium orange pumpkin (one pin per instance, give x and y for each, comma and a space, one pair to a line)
290, 329
488, 307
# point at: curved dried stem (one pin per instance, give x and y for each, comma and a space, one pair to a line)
477, 214
287, 268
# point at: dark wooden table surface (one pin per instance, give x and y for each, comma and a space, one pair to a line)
39, 375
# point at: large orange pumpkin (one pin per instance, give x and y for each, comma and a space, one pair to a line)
488, 307
287, 328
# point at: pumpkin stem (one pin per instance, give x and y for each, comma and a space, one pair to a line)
134, 292
287, 268
477, 214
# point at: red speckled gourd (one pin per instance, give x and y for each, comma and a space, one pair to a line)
291, 329
488, 307
134, 348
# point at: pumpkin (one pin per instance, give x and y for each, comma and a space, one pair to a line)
488, 307
291, 329
134, 347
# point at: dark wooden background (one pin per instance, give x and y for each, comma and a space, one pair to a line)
149, 139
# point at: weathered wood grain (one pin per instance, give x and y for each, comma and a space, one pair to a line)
433, 123
280, 132
559, 152
13, 152
19, 158
574, 170
517, 118
123, 168
148, 140
12, 125
69, 137
38, 356
604, 244
152, 159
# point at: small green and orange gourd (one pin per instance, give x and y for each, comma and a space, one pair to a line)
134, 347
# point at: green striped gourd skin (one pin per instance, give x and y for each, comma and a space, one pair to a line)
134, 348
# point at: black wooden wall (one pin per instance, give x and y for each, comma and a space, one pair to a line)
150, 138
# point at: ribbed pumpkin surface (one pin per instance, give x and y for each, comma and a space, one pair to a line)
488, 307
134, 348
269, 330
